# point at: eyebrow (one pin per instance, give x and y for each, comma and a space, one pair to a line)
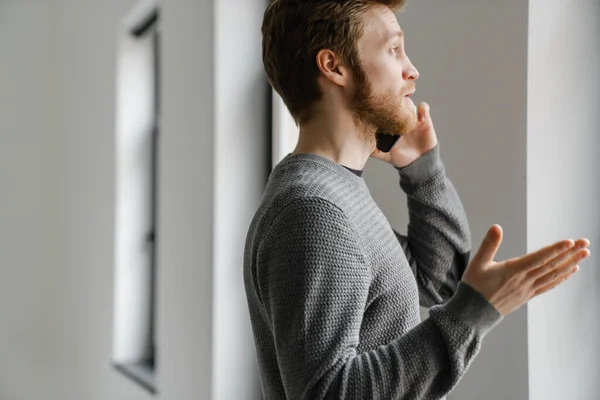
395, 34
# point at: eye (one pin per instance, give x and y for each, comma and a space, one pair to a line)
395, 50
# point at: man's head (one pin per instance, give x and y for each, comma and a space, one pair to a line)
342, 51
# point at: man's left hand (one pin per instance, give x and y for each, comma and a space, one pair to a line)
412, 145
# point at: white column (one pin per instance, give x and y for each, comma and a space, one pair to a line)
214, 165
563, 188
242, 136
186, 202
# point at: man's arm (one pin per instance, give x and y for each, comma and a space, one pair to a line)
438, 243
313, 283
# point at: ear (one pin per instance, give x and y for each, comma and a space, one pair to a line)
332, 67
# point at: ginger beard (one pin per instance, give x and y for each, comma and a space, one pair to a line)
387, 112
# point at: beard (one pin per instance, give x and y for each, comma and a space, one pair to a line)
387, 112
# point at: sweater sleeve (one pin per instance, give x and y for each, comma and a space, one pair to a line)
313, 283
438, 241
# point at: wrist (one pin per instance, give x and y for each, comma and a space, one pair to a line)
428, 165
470, 307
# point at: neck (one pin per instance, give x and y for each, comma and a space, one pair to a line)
337, 137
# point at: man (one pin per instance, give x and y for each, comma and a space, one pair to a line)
333, 291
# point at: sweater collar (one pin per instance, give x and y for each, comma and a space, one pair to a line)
324, 162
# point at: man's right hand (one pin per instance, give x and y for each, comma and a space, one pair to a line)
507, 285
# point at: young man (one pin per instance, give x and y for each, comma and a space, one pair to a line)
333, 291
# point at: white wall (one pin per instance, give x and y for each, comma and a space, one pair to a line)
242, 136
472, 57
28, 334
84, 180
57, 118
56, 229
214, 166
186, 203
563, 191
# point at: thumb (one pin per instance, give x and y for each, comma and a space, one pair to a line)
490, 245
423, 111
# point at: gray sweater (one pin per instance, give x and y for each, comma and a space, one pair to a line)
333, 291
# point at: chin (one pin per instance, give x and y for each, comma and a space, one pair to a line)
408, 121
413, 120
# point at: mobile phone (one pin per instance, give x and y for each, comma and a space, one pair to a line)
385, 141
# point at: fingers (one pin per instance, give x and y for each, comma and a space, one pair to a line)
562, 269
489, 246
557, 281
380, 155
565, 258
536, 259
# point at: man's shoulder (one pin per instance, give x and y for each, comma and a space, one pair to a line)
297, 183
297, 204
300, 205
303, 192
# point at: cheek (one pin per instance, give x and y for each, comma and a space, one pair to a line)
391, 81
377, 69
386, 79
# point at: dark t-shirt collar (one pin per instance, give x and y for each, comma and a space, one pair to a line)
357, 172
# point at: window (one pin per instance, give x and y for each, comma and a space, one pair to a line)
137, 140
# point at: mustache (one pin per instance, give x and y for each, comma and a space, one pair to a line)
410, 88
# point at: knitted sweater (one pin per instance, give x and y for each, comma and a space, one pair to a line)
334, 292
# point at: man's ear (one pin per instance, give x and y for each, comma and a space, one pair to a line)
332, 68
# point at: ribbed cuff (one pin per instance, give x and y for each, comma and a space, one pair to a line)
470, 307
422, 169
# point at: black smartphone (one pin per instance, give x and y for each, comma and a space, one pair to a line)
385, 141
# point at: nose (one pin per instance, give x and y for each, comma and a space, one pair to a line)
410, 73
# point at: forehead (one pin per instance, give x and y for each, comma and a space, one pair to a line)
380, 24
